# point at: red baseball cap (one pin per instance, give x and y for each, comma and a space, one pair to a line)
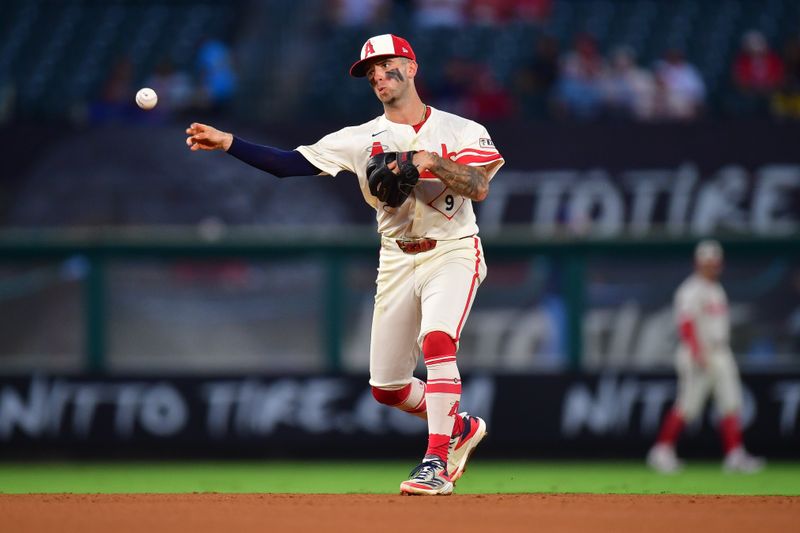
386, 45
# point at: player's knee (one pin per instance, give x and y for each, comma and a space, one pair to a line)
391, 396
728, 409
437, 344
688, 413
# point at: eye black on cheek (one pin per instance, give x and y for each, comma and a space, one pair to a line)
395, 73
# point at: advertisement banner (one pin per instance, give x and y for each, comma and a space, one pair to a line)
606, 179
600, 179
535, 416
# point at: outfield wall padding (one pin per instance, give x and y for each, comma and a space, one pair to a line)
529, 416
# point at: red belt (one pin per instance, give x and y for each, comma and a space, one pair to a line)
417, 245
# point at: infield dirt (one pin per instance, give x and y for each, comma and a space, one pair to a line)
199, 513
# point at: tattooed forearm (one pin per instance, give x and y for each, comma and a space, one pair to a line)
472, 182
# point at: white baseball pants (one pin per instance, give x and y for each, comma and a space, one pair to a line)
417, 294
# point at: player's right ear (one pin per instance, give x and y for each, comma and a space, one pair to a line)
411, 68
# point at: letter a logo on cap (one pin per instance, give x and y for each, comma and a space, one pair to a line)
386, 45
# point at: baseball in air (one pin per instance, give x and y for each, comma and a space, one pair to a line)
146, 98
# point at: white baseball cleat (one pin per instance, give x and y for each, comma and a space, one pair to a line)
462, 446
738, 460
429, 478
662, 458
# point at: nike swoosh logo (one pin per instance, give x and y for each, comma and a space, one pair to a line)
375, 134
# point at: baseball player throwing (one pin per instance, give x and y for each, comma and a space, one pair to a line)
705, 365
420, 169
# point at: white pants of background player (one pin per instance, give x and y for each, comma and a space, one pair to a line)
695, 384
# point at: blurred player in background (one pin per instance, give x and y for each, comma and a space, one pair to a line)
705, 365
431, 259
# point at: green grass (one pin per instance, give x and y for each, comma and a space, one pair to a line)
384, 477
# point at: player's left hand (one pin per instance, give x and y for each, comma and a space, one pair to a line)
392, 176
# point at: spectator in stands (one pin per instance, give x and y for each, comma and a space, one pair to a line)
680, 90
358, 13
119, 83
786, 101
536, 78
216, 74
757, 69
116, 99
628, 90
578, 92
532, 11
173, 87
440, 13
490, 12
452, 90
488, 100
498, 12
757, 72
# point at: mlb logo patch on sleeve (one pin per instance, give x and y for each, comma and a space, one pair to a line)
486, 143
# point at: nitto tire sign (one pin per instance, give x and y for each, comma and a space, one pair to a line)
609, 179
631, 406
534, 416
268, 416
679, 200
626, 412
51, 409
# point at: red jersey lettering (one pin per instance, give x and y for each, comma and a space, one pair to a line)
377, 148
426, 174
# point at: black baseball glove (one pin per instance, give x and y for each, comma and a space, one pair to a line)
384, 184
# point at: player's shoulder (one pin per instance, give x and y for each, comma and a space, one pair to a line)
456, 121
717, 287
696, 286
366, 128
688, 287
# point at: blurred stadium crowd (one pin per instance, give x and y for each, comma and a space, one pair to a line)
648, 60
564, 86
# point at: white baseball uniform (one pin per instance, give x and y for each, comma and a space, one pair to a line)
431, 290
704, 303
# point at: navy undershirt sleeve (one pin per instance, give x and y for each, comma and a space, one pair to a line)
279, 163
